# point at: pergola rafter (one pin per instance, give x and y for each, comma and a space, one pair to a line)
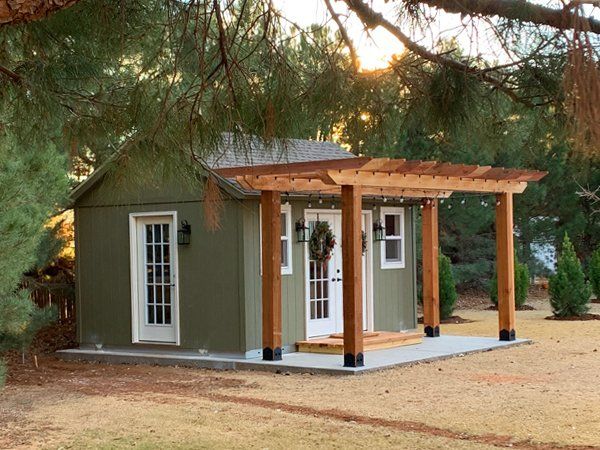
356, 178
416, 178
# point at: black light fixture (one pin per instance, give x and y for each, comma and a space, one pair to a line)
302, 234
378, 231
184, 233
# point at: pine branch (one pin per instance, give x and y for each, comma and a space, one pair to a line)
12, 75
344, 34
373, 19
518, 10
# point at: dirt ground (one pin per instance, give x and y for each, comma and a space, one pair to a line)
540, 396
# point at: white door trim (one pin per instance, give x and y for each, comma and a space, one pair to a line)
133, 271
368, 215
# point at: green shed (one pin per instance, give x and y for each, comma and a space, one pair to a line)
150, 273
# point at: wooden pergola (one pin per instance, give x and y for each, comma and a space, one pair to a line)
353, 178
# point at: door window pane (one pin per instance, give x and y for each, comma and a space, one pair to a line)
167, 315
159, 315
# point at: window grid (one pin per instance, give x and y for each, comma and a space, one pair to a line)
319, 287
392, 249
157, 260
285, 241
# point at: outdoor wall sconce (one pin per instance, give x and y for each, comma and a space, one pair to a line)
378, 231
302, 234
184, 233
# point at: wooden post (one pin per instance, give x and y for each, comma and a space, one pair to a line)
505, 263
270, 202
352, 275
431, 284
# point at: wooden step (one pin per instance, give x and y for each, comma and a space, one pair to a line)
334, 344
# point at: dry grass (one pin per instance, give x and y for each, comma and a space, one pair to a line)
541, 396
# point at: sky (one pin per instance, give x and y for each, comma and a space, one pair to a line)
376, 49
373, 53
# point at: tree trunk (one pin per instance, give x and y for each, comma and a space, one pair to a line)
21, 11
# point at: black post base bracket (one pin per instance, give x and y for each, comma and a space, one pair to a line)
272, 355
351, 360
432, 331
506, 335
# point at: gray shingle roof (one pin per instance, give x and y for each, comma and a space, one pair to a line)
238, 151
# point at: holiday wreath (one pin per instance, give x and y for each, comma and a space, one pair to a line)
322, 242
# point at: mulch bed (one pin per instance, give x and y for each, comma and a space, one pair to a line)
518, 308
451, 319
587, 316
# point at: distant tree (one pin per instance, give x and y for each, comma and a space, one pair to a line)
569, 292
448, 293
521, 284
594, 273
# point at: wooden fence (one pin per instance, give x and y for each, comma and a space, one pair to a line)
61, 295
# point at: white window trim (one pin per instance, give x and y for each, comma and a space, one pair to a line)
395, 264
285, 209
133, 271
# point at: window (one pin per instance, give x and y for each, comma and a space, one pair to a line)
286, 239
392, 249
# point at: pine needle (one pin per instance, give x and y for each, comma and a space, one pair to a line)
213, 204
582, 86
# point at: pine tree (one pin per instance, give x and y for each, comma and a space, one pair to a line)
448, 293
569, 292
521, 284
594, 273
32, 183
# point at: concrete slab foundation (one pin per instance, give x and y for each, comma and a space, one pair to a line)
431, 349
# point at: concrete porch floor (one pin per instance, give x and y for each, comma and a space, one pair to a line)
431, 349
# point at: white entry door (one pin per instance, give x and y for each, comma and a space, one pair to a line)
155, 288
324, 282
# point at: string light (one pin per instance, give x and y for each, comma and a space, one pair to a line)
449, 205
332, 202
309, 201
287, 198
498, 202
320, 199
463, 201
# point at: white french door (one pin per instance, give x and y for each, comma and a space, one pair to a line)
324, 282
154, 308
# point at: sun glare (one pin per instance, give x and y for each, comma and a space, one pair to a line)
372, 62
377, 57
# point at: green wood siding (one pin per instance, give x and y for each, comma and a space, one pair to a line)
219, 273
394, 299
394, 290
209, 269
